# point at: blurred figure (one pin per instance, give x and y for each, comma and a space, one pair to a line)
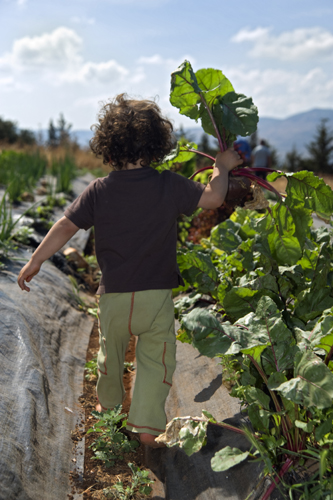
243, 148
261, 157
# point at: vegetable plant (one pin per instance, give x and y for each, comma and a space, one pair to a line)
140, 484
207, 95
111, 444
268, 280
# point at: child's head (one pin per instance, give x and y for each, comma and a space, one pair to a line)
129, 130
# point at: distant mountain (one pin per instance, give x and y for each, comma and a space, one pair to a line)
295, 131
282, 134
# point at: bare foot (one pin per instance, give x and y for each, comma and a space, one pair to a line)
100, 408
149, 440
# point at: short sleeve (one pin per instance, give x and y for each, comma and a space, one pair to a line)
186, 193
81, 211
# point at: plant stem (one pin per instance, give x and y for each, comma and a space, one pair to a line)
242, 172
219, 424
202, 154
328, 357
224, 140
276, 403
204, 102
269, 336
286, 466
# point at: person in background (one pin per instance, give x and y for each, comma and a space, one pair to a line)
261, 157
243, 148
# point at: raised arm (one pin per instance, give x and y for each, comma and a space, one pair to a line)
215, 192
59, 234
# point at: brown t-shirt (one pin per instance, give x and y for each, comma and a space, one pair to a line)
134, 213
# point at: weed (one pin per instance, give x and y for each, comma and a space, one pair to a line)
76, 294
93, 311
140, 484
91, 368
128, 366
22, 235
92, 261
7, 224
65, 170
20, 171
111, 444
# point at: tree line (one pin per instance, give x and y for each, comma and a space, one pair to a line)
319, 158
58, 134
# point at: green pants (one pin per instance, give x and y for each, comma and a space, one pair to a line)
149, 315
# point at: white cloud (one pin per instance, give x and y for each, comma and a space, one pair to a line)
299, 44
245, 35
56, 57
61, 46
20, 3
281, 93
104, 72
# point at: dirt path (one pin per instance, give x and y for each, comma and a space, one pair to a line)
96, 475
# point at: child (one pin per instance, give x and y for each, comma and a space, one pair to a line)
134, 212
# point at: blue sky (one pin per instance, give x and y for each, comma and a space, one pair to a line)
70, 55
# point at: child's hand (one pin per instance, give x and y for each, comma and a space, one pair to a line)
229, 159
27, 273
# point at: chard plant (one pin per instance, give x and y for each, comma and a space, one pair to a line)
207, 95
111, 444
268, 279
140, 485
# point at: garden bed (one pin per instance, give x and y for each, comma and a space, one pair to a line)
96, 475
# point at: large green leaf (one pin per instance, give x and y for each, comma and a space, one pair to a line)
266, 326
259, 418
283, 243
312, 384
180, 154
198, 270
321, 334
323, 266
213, 83
227, 457
185, 90
306, 190
240, 300
225, 236
209, 336
255, 395
311, 303
239, 114
189, 89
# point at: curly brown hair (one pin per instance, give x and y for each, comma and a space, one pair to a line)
129, 130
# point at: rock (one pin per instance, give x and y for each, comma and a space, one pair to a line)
42, 191
27, 196
73, 256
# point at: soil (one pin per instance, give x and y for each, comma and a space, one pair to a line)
96, 475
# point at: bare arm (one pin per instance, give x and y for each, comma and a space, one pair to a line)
59, 234
215, 192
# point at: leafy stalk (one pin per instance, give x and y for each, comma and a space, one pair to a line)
276, 402
202, 154
204, 102
284, 469
329, 355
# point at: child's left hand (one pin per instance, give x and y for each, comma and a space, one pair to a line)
27, 273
